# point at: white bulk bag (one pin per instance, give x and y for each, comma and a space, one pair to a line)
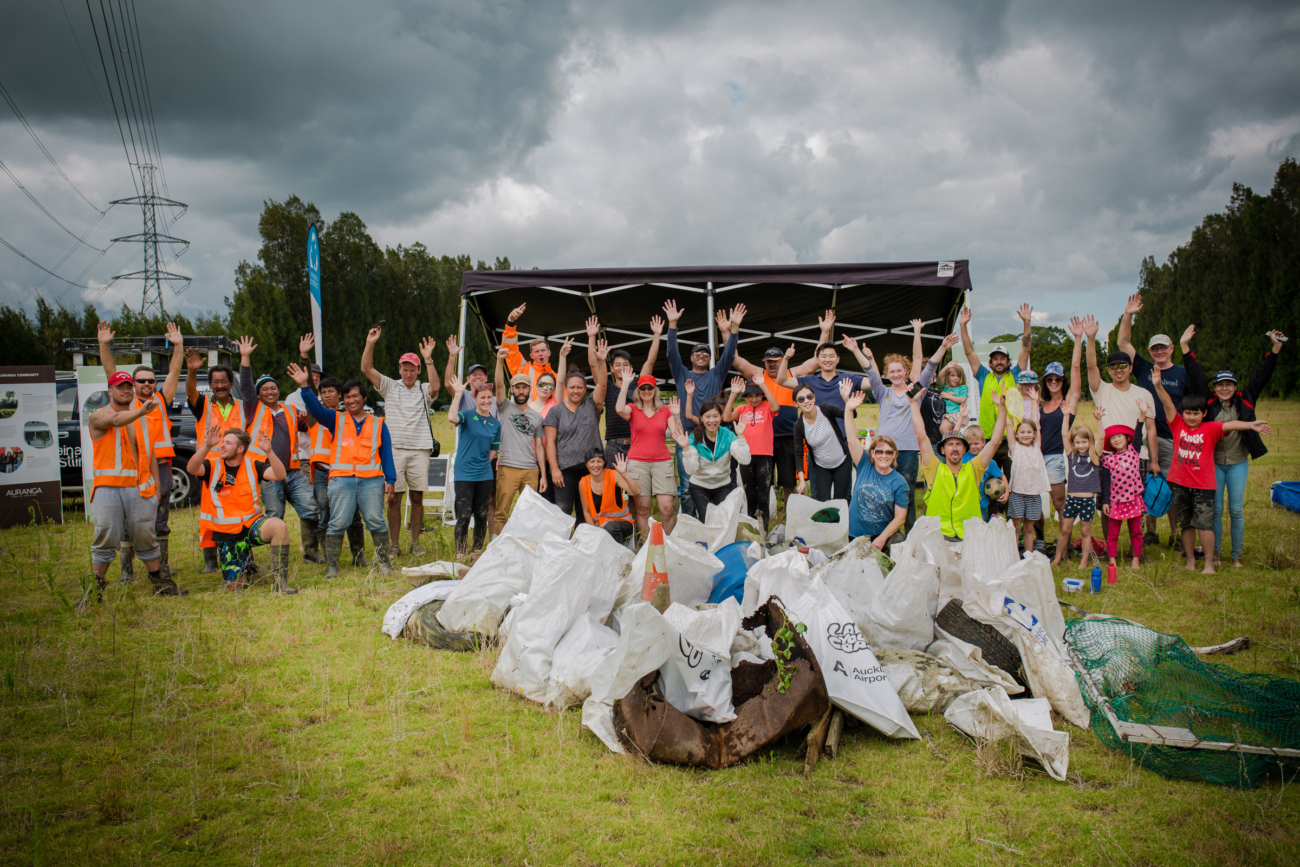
783, 575
902, 612
713, 629
969, 661
924, 684
829, 538
536, 520
697, 682
613, 562
480, 600
644, 642
990, 715
577, 655
929, 546
401, 610
854, 576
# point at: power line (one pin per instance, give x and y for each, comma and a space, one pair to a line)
13, 105
44, 210
102, 65
84, 61
148, 102
38, 264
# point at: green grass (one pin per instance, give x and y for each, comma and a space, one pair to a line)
253, 729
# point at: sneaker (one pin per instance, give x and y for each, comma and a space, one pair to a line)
1149, 538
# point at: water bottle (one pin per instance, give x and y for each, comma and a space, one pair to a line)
1112, 574
1096, 579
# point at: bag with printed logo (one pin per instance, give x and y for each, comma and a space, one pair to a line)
855, 680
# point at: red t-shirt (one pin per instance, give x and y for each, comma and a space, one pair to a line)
1194, 453
758, 427
648, 435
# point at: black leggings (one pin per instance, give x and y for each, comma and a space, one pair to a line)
620, 530
472, 499
757, 476
830, 484
702, 497
568, 497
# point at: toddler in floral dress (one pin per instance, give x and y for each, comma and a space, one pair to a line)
1121, 491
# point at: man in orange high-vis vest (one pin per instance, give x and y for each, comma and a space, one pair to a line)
218, 408
282, 425
362, 472
230, 504
159, 424
124, 490
610, 512
320, 448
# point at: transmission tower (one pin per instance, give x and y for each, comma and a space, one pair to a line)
152, 275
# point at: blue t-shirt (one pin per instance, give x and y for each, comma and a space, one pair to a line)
871, 508
829, 392
1175, 382
993, 472
476, 437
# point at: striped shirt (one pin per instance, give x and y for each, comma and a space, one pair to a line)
823, 443
405, 414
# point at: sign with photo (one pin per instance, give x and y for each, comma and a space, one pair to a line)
30, 491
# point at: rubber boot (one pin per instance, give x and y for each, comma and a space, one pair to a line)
280, 554
128, 564
357, 544
310, 546
165, 586
164, 567
210, 564
250, 566
333, 547
382, 562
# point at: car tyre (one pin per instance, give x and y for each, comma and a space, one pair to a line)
184, 490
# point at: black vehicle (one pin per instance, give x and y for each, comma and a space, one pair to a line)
184, 425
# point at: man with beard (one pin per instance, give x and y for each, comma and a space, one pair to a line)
218, 409
996, 379
523, 442
281, 424
539, 354
124, 490
1122, 401
159, 425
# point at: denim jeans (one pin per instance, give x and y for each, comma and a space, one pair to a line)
908, 465
349, 494
294, 489
1232, 478
685, 505
320, 488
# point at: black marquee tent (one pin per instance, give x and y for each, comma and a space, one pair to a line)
872, 302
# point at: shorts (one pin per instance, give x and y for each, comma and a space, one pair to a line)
1055, 468
783, 452
121, 513
1166, 449
1027, 507
233, 552
412, 469
1192, 508
653, 477
1079, 509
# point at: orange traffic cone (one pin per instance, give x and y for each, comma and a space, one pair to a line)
654, 588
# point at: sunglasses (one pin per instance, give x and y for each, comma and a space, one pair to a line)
884, 452
542, 385
645, 388
143, 381
488, 387
1116, 366
807, 398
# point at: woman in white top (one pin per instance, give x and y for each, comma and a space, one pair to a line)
828, 450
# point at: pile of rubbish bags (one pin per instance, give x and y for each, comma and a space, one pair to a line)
763, 637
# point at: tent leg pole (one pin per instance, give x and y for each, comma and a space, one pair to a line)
713, 339
460, 361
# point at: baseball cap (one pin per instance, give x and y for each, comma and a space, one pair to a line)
120, 378
646, 380
315, 368
952, 435
699, 347
1159, 340
1118, 358
474, 367
1027, 377
594, 452
409, 358
521, 379
263, 380
999, 348
1225, 376
1055, 368
773, 353
752, 388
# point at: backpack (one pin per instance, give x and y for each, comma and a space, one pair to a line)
1157, 495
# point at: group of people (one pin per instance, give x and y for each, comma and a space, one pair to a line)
965, 454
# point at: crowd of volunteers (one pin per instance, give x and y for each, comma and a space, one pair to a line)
606, 447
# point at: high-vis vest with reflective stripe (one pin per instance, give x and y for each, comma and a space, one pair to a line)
119, 464
212, 416
229, 508
160, 429
993, 384
322, 444
610, 510
356, 453
954, 498
264, 420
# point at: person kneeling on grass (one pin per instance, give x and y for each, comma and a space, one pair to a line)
231, 504
1191, 478
609, 508
1082, 486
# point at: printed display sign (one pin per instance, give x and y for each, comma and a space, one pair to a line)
92, 394
29, 447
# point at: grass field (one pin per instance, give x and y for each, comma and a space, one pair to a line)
254, 729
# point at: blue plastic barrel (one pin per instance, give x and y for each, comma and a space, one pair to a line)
731, 580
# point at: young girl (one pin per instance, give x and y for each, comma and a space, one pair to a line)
954, 393
1028, 480
1082, 486
1121, 489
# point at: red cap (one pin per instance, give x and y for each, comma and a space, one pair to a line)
646, 380
409, 358
120, 378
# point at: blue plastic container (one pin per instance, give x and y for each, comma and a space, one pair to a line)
731, 580
1286, 495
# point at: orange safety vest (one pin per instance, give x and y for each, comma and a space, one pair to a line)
264, 420
356, 453
160, 429
784, 396
118, 464
229, 508
212, 416
322, 444
610, 510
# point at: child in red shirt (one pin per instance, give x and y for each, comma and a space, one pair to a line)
1191, 478
758, 411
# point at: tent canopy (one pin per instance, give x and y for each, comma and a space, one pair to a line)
872, 302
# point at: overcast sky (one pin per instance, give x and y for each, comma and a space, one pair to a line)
1054, 145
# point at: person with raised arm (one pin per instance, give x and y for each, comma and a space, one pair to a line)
1125, 403
759, 414
609, 508
320, 440
878, 507
828, 469
708, 453
952, 482
477, 442
159, 424
522, 452
997, 378
649, 463
306, 344
407, 404
539, 353
573, 424
824, 383
218, 408
476, 375
230, 504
